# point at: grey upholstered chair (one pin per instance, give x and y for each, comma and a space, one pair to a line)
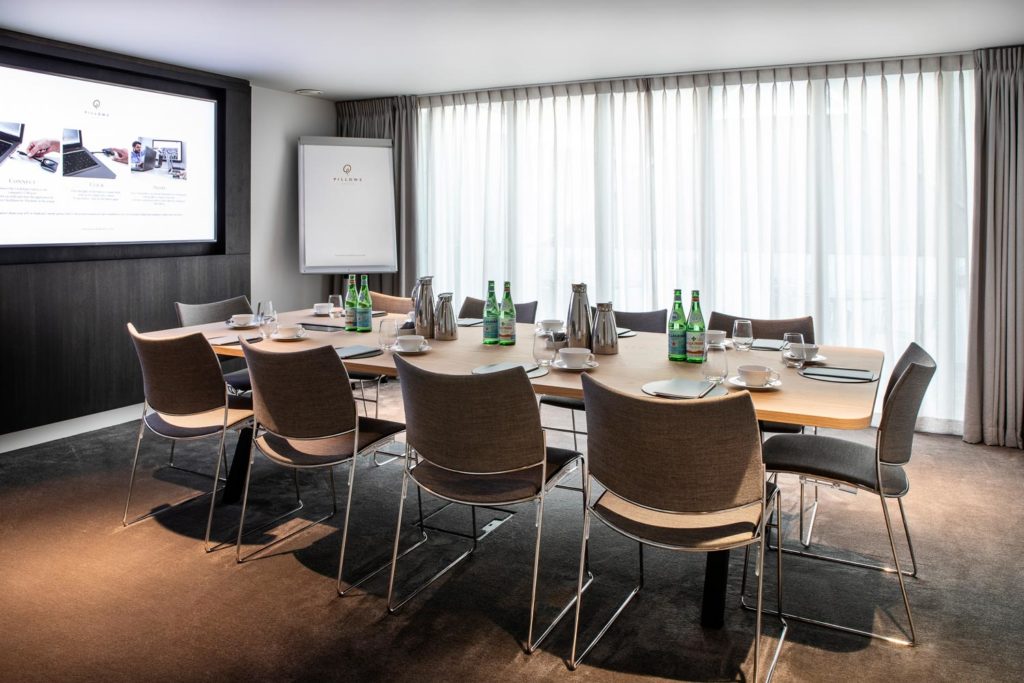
878, 469
186, 399
305, 418
642, 321
660, 494
391, 304
217, 312
474, 308
477, 440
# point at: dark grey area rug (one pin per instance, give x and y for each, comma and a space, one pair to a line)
84, 599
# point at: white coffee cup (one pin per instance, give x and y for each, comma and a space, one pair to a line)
289, 330
575, 358
757, 375
804, 351
550, 325
409, 342
241, 319
322, 309
714, 336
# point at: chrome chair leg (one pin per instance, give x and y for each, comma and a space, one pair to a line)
213, 493
805, 541
910, 544
575, 445
899, 572
135, 465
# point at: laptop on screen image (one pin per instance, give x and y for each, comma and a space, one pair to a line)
80, 162
10, 137
150, 160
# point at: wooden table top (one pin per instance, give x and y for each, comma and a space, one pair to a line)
641, 359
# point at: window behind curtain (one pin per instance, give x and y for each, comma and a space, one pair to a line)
843, 191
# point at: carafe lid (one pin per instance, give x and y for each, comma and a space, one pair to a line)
605, 307
581, 287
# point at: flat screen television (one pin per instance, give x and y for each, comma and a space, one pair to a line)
91, 162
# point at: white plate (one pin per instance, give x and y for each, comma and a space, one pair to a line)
423, 349
250, 326
771, 386
560, 365
299, 337
817, 359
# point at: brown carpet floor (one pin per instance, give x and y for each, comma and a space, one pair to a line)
83, 599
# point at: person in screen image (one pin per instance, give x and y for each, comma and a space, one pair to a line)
137, 155
37, 148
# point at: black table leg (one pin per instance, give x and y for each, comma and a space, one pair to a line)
239, 465
716, 576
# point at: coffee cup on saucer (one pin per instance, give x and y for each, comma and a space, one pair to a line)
409, 342
550, 325
757, 375
804, 351
241, 319
322, 309
574, 358
289, 331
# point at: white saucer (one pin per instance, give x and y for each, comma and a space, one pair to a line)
299, 337
771, 386
560, 365
817, 359
250, 326
321, 315
423, 349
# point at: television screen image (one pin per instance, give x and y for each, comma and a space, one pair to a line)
79, 165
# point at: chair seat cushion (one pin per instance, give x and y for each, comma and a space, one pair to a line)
707, 531
493, 489
201, 424
239, 380
779, 427
831, 458
325, 452
562, 402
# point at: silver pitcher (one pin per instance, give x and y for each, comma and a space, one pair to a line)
445, 327
423, 306
577, 322
606, 336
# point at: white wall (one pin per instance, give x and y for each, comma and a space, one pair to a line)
278, 119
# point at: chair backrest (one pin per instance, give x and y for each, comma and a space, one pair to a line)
766, 328
903, 396
472, 423
474, 308
301, 394
391, 304
213, 312
180, 375
646, 449
641, 321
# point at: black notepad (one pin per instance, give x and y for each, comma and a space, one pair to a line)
827, 374
358, 351
768, 344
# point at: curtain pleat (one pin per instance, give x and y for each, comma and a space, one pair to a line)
994, 407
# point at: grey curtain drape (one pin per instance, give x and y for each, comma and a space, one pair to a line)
393, 118
994, 410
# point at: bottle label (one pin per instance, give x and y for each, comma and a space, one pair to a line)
350, 316
364, 318
507, 331
695, 345
676, 343
491, 328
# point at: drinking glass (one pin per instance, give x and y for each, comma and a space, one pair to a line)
715, 367
337, 305
268, 323
743, 335
543, 347
388, 333
787, 360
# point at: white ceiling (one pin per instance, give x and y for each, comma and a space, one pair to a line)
384, 47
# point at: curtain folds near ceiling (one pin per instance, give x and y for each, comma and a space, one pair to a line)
994, 410
395, 119
842, 191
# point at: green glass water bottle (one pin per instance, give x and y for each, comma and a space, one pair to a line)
491, 316
677, 329
507, 318
364, 307
350, 305
695, 331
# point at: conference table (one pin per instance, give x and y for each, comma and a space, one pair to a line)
641, 359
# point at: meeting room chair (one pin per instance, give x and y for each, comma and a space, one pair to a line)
218, 312
391, 304
877, 469
452, 422
640, 321
185, 399
658, 493
306, 419
474, 308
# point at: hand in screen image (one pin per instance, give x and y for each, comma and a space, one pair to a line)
118, 154
38, 148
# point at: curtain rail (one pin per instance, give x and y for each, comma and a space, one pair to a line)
700, 72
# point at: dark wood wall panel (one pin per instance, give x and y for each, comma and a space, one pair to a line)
64, 348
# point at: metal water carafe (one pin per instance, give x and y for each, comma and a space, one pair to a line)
423, 306
605, 335
445, 327
577, 321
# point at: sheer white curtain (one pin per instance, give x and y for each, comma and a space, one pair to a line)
840, 191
